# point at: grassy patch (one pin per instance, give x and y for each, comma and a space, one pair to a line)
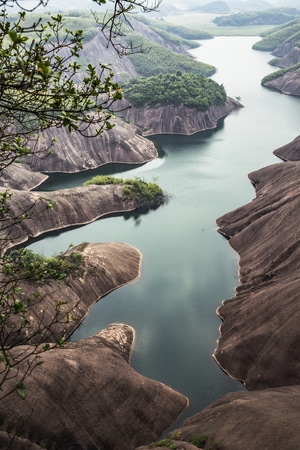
26, 264
145, 195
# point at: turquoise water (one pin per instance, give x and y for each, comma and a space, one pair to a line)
187, 267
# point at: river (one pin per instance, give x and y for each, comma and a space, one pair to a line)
187, 267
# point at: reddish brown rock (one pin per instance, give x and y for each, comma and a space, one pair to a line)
171, 119
267, 419
86, 395
75, 153
102, 269
288, 83
20, 176
290, 151
56, 210
260, 336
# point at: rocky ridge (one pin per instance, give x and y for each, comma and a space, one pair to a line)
178, 119
105, 267
289, 83
288, 56
86, 395
57, 210
259, 336
75, 153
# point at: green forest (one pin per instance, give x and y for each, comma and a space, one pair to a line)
279, 73
157, 59
192, 90
279, 35
176, 30
273, 16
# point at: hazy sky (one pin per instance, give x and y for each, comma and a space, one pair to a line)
179, 4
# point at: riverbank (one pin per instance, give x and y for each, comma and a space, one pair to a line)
178, 119
260, 324
259, 337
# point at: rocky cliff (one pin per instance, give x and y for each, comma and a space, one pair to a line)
289, 83
259, 336
75, 153
288, 55
178, 119
86, 396
50, 211
258, 420
105, 267
260, 333
20, 176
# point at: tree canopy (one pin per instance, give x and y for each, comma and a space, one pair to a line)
158, 59
272, 16
192, 90
279, 35
43, 86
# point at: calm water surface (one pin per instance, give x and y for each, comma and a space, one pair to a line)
187, 267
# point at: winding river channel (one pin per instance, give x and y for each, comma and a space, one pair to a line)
187, 267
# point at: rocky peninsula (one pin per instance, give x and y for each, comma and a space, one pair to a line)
57, 210
75, 153
86, 395
288, 83
260, 324
177, 119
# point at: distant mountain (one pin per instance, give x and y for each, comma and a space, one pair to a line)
284, 43
178, 6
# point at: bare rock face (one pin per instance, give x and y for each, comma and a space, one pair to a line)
75, 153
86, 396
20, 176
49, 211
290, 57
260, 336
265, 419
97, 50
103, 268
171, 119
290, 151
289, 83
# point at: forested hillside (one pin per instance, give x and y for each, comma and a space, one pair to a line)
191, 90
284, 43
274, 16
280, 35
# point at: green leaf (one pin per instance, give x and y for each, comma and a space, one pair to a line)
21, 389
46, 347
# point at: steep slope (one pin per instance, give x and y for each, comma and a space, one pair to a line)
50, 211
178, 119
285, 81
284, 43
86, 395
74, 153
260, 333
243, 420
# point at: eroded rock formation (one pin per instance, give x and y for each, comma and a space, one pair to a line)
105, 267
265, 419
56, 210
74, 153
86, 395
289, 83
20, 176
260, 336
172, 119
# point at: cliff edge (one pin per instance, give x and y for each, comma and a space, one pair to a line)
177, 119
